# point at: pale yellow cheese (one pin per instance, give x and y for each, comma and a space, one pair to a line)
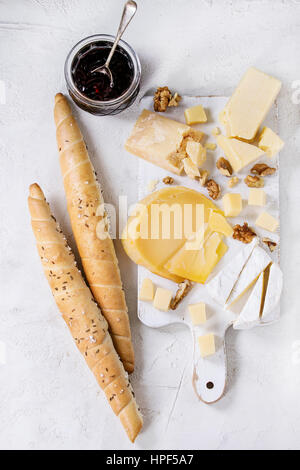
270, 142
196, 152
162, 299
207, 345
267, 221
196, 265
233, 204
190, 168
249, 104
197, 313
218, 223
153, 253
195, 115
257, 197
161, 141
239, 153
216, 131
147, 290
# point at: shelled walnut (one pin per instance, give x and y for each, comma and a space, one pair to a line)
168, 180
262, 169
224, 166
175, 99
254, 181
163, 98
182, 291
243, 233
271, 244
213, 188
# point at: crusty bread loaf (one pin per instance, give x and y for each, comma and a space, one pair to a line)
90, 228
81, 313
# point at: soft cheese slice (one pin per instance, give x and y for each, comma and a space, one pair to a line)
239, 153
196, 265
249, 104
221, 286
256, 264
218, 223
249, 316
273, 293
161, 141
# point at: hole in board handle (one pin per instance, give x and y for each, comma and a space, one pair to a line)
210, 385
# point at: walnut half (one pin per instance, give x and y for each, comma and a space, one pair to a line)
262, 169
243, 233
161, 99
213, 189
183, 289
272, 245
168, 180
254, 181
224, 167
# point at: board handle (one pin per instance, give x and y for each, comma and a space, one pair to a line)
210, 373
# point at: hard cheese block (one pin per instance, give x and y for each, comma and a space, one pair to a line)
267, 221
197, 313
218, 223
255, 265
249, 104
207, 345
161, 141
147, 290
221, 286
239, 153
144, 236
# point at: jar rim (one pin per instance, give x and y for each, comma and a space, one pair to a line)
89, 40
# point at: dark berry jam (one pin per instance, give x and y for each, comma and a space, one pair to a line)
96, 86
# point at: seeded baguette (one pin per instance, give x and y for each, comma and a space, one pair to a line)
82, 314
90, 228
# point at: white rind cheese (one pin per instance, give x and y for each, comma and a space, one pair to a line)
257, 263
249, 316
221, 286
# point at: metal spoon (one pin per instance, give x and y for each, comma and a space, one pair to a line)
128, 13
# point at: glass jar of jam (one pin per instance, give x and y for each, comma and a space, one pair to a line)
91, 90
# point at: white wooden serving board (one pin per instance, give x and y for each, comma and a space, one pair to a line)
208, 375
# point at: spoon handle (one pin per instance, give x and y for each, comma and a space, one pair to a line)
129, 11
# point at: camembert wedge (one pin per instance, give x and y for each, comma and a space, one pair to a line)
256, 264
273, 293
221, 286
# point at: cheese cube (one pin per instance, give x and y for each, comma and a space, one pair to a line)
197, 313
195, 115
207, 345
270, 142
190, 168
147, 290
196, 152
267, 221
257, 197
216, 131
233, 204
162, 299
218, 223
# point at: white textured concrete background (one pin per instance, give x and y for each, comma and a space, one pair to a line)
48, 397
